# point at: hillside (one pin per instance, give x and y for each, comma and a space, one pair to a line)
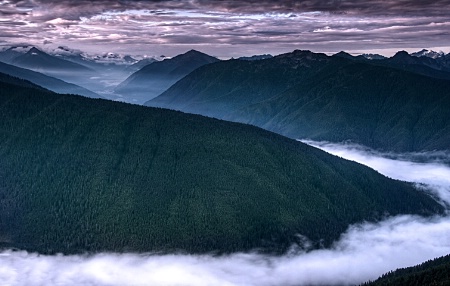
48, 82
383, 109
224, 87
423, 65
79, 174
155, 78
322, 98
56, 67
435, 272
38, 60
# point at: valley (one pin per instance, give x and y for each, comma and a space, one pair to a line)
82, 175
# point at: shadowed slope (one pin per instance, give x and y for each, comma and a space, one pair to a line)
79, 174
307, 95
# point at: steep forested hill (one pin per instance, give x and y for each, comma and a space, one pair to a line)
80, 174
435, 272
306, 95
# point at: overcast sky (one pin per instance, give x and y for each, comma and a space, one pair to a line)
228, 28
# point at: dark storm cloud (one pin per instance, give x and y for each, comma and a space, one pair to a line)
364, 7
221, 26
76, 8
12, 23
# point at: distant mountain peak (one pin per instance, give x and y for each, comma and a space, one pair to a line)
194, 53
373, 56
129, 59
402, 57
256, 57
302, 52
191, 55
428, 53
401, 54
302, 57
35, 50
160, 75
22, 49
345, 55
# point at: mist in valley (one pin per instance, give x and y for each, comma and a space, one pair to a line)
364, 252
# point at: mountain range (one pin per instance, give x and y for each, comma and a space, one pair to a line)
98, 73
94, 61
45, 81
40, 61
400, 102
153, 79
80, 174
319, 97
424, 62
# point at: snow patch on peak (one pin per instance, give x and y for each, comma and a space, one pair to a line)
428, 53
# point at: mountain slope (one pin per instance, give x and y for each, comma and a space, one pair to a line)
429, 54
15, 81
45, 81
79, 174
57, 67
8, 55
322, 98
423, 65
155, 78
37, 60
224, 87
435, 272
139, 65
373, 106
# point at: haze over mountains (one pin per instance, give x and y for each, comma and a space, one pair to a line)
294, 94
98, 73
155, 78
45, 81
84, 175
308, 95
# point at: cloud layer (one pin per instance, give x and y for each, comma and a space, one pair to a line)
363, 253
227, 28
434, 174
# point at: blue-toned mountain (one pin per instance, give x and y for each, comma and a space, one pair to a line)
155, 78
307, 95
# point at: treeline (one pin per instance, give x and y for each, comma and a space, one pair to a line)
79, 174
434, 272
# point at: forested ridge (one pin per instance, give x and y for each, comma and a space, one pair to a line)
304, 95
434, 272
80, 174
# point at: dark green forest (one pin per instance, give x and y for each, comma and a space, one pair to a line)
87, 175
435, 272
304, 95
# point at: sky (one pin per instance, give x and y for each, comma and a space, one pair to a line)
227, 28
